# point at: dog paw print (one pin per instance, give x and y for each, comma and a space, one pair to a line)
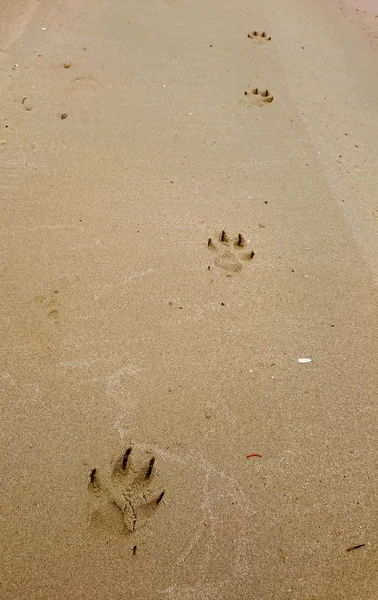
258, 37
230, 254
130, 492
258, 97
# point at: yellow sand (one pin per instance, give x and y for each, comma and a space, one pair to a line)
127, 142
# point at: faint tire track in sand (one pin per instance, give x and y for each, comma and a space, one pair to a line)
223, 533
117, 390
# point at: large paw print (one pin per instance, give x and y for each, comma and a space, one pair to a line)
230, 254
258, 97
206, 528
130, 490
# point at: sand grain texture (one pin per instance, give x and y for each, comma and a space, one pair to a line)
121, 328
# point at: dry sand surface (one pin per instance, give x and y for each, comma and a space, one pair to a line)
132, 132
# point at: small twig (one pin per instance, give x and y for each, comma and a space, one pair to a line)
355, 547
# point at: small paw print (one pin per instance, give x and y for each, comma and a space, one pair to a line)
230, 254
130, 491
256, 36
258, 97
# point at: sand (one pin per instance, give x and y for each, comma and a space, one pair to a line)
127, 142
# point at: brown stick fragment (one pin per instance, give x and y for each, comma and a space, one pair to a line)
355, 547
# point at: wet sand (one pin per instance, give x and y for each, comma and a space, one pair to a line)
132, 133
